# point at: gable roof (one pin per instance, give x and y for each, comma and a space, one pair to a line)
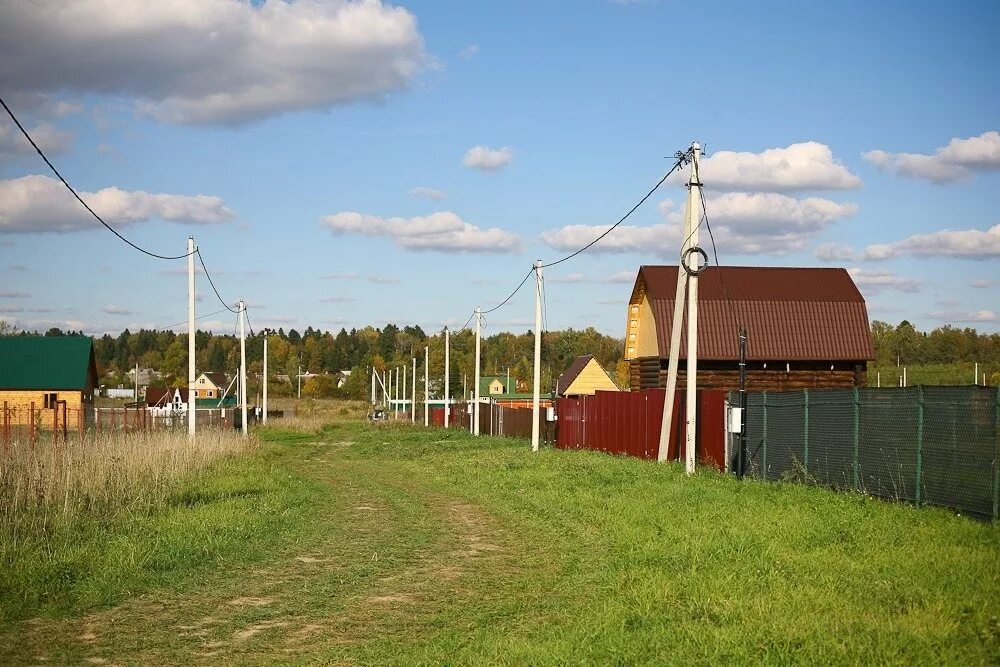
791, 314
574, 370
217, 378
162, 395
47, 362
486, 380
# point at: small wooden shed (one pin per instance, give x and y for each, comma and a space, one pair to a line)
47, 373
807, 327
583, 377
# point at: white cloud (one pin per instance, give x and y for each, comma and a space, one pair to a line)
622, 277
50, 139
13, 294
116, 310
835, 252
983, 283
948, 164
469, 52
956, 316
568, 278
427, 193
743, 223
488, 159
874, 281
804, 166
443, 230
338, 299
211, 61
372, 278
42, 204
963, 244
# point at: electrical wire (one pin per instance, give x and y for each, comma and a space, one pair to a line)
511, 295
212, 283
715, 254
681, 158
75, 194
250, 326
200, 317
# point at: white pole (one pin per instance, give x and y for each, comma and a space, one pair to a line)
975, 378
675, 334
385, 389
692, 319
537, 380
137, 383
904, 376
413, 394
373, 385
191, 399
475, 397
878, 379
427, 389
447, 379
243, 365
263, 415
404, 391
299, 376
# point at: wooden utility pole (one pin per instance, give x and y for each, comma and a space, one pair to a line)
687, 281
447, 378
475, 390
263, 415
537, 380
191, 351
243, 365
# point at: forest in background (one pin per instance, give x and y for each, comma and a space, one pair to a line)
944, 355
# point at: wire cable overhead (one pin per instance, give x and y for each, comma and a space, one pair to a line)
74, 192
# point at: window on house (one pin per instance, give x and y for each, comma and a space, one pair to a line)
211, 393
51, 400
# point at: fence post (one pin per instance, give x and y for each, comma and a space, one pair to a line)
763, 444
857, 419
6, 432
920, 440
805, 439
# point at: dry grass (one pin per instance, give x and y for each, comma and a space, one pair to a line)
312, 414
103, 472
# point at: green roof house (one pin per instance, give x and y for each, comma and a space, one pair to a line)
39, 373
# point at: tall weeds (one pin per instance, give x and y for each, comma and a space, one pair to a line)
101, 474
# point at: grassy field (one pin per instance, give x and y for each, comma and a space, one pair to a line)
389, 544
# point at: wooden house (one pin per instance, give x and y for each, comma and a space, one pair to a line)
807, 327
167, 400
210, 385
583, 377
50, 379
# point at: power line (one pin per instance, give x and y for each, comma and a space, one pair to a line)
252, 334
200, 317
511, 295
75, 194
715, 252
681, 158
212, 283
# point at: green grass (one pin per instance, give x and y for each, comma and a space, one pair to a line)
400, 545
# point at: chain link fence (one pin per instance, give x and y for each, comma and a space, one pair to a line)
925, 445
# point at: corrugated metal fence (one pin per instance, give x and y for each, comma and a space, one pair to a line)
629, 423
926, 445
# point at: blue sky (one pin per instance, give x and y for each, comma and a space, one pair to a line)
861, 135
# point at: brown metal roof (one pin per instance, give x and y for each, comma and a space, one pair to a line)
791, 314
161, 396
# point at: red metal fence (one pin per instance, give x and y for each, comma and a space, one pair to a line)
629, 423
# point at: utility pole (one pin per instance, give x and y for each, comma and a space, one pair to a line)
191, 389
137, 383
537, 381
243, 365
447, 379
404, 391
427, 388
263, 415
413, 392
373, 385
687, 280
475, 390
299, 378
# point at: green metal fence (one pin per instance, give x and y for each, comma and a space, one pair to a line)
925, 445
